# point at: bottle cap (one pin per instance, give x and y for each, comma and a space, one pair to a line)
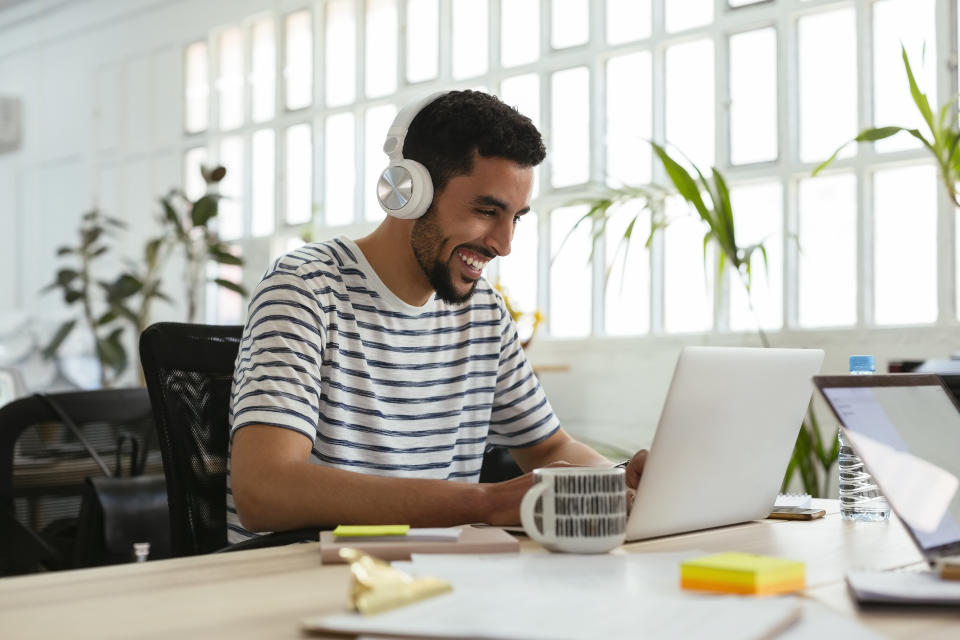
862, 363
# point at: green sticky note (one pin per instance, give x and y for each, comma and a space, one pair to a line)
368, 530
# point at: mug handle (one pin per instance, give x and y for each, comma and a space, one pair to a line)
527, 506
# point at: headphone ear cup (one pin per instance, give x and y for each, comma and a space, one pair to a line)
405, 189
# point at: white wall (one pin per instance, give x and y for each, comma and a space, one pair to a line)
100, 83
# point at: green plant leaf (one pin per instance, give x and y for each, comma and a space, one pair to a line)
66, 276
111, 351
89, 236
171, 216
681, 180
50, 350
919, 98
151, 250
64, 251
232, 286
224, 257
203, 210
106, 318
72, 295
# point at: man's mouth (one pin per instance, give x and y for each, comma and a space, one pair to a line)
474, 262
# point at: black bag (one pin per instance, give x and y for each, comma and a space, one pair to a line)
117, 511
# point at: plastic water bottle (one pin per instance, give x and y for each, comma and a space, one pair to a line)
860, 498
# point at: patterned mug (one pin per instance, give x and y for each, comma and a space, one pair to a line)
576, 509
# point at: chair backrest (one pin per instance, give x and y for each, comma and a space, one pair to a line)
52, 466
189, 370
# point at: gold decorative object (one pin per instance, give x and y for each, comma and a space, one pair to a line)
378, 587
533, 317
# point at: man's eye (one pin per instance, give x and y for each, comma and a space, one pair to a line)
487, 212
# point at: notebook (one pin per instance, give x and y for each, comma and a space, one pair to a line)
472, 539
725, 436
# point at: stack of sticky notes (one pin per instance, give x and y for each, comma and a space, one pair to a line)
395, 533
742, 573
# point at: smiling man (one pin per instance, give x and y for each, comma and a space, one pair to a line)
373, 374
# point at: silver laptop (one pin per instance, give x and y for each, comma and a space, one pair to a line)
906, 429
724, 439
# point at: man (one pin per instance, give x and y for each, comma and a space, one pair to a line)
373, 374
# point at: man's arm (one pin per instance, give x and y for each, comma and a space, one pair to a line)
276, 487
558, 447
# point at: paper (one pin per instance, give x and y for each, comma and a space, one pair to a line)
818, 621
917, 587
802, 500
540, 597
919, 491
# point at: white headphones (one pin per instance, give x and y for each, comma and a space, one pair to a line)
405, 189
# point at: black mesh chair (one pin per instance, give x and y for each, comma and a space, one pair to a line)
189, 369
43, 468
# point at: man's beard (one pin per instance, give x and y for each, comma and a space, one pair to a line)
426, 240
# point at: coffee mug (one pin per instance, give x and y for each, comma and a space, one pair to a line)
576, 509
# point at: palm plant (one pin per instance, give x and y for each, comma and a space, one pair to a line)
942, 141
709, 198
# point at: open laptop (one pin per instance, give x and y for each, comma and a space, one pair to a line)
726, 432
906, 429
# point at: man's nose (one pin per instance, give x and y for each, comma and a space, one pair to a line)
501, 236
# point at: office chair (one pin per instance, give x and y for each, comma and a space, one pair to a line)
52, 465
189, 369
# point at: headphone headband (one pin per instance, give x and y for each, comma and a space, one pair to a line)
397, 133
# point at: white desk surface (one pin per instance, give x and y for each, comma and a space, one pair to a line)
264, 593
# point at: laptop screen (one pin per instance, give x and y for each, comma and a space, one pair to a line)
906, 429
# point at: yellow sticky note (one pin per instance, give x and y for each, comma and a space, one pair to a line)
370, 530
743, 573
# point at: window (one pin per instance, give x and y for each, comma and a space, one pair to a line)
763, 90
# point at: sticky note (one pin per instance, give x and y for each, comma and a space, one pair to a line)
742, 573
370, 530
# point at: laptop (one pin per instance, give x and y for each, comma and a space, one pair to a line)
906, 429
725, 436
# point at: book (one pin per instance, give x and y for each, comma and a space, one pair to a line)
469, 540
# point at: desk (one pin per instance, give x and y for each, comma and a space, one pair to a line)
263, 593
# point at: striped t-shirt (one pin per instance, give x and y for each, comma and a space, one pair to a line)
378, 385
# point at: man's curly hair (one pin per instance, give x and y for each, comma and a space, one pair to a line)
446, 132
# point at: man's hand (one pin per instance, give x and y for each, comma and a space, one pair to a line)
635, 469
503, 498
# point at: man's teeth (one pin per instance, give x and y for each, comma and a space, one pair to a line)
476, 264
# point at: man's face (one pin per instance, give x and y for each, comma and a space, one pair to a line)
469, 223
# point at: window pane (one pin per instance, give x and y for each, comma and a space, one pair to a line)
690, 100
828, 251
688, 278
570, 130
341, 67
688, 14
378, 120
828, 83
520, 32
196, 88
570, 274
628, 265
299, 174
629, 119
910, 23
340, 165
569, 23
262, 183
523, 94
627, 20
230, 79
230, 215
753, 96
518, 271
758, 217
193, 184
423, 39
298, 65
905, 245
263, 74
381, 43
469, 38
229, 303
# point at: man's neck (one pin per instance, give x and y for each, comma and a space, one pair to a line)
388, 251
